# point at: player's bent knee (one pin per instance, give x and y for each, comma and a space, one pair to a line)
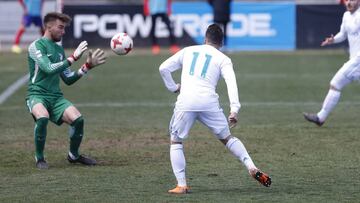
339, 82
335, 84
79, 122
42, 122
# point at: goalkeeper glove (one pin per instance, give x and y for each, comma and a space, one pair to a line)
93, 59
78, 52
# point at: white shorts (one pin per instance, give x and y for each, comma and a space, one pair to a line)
182, 121
349, 72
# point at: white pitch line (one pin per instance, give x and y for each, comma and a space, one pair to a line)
163, 104
13, 88
125, 104
243, 104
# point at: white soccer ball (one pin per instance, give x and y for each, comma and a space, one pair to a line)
121, 43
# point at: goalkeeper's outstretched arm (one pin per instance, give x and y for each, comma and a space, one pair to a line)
93, 59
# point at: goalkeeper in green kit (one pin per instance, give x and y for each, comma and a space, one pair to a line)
47, 64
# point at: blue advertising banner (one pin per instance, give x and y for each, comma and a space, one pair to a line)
253, 26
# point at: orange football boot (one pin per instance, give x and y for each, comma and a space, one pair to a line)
180, 190
262, 177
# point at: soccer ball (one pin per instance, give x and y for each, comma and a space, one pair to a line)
121, 43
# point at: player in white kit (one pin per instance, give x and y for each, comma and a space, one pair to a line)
350, 71
202, 66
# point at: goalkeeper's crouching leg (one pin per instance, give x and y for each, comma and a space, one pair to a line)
76, 134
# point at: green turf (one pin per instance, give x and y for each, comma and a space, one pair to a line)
127, 109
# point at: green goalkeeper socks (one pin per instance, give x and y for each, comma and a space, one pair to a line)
76, 134
40, 136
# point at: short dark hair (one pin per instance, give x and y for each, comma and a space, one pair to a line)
214, 34
53, 16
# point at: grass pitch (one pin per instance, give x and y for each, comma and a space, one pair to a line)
127, 110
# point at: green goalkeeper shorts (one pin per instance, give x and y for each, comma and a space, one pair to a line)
54, 105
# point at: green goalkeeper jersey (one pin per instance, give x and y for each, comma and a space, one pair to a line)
47, 64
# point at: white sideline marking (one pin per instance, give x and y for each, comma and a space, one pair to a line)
125, 104
13, 88
159, 104
252, 104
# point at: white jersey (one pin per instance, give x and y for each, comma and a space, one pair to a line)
350, 29
202, 66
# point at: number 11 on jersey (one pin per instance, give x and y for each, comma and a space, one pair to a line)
205, 67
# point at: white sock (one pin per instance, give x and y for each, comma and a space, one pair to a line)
331, 99
238, 149
178, 163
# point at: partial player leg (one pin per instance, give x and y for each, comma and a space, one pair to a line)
330, 101
18, 35
180, 125
173, 45
76, 133
238, 149
178, 164
225, 34
26, 22
40, 138
155, 46
342, 78
217, 123
73, 117
38, 23
16, 48
41, 117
